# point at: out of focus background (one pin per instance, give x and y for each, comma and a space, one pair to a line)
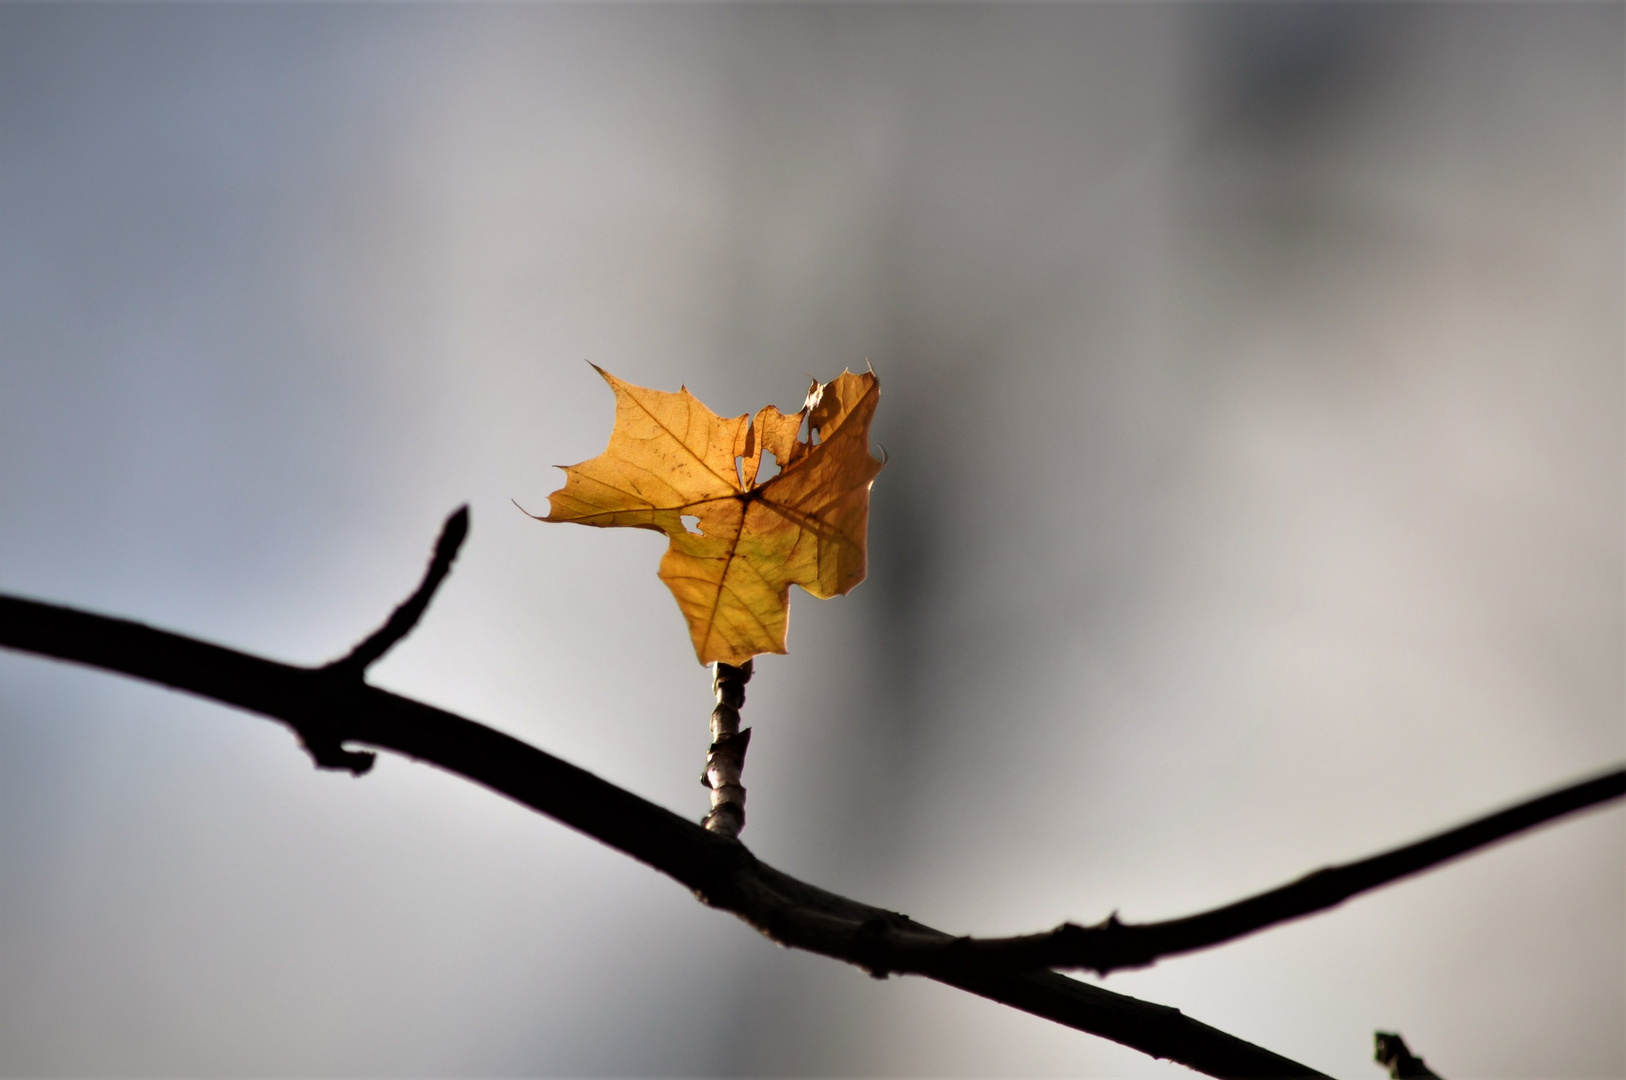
1253, 396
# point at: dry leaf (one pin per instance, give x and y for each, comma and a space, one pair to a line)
670, 457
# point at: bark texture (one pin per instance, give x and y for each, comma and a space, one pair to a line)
725, 760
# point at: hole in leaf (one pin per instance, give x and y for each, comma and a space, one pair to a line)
768, 469
691, 522
739, 470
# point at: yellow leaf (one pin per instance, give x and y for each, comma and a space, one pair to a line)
670, 457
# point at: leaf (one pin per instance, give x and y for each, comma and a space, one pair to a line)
670, 457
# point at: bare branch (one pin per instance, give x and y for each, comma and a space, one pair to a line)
404, 618
1113, 945
725, 759
721, 871
1402, 1064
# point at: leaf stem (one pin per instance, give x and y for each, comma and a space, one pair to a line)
725, 760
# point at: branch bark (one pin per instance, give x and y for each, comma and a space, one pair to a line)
401, 621
725, 759
332, 705
1113, 945
1393, 1054
328, 709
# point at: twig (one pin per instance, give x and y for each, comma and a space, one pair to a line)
1393, 1055
315, 733
725, 759
721, 871
355, 663
1113, 945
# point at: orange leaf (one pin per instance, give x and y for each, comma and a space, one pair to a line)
670, 457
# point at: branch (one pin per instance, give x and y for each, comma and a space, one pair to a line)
1112, 945
319, 740
406, 616
332, 705
1402, 1064
725, 759
721, 871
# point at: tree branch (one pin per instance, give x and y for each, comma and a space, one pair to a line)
725, 759
1112, 945
1393, 1054
401, 621
721, 871
332, 705
319, 740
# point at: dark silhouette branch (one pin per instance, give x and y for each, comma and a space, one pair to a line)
332, 705
721, 871
1113, 945
1402, 1064
406, 616
319, 740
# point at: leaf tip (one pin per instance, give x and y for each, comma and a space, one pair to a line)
527, 513
615, 383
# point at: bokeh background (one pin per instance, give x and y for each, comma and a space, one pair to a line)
1253, 393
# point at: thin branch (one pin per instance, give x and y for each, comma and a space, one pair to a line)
1112, 945
1402, 1064
318, 739
725, 759
401, 621
721, 871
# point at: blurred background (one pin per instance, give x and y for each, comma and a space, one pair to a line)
1253, 394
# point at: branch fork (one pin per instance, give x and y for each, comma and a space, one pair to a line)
318, 733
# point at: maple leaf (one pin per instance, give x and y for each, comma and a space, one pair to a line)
670, 457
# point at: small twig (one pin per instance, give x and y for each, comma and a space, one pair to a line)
1402, 1064
316, 731
1113, 945
355, 663
725, 760
328, 752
